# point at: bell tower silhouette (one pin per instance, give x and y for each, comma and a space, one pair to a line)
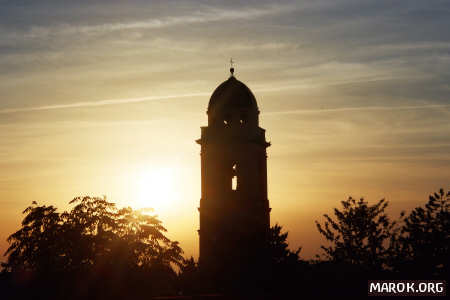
234, 208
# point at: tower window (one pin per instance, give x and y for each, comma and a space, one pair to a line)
243, 118
227, 119
234, 182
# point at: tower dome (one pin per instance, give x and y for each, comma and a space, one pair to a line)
230, 98
232, 94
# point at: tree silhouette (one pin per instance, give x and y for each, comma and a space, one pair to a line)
98, 251
273, 268
189, 277
359, 234
101, 247
278, 247
424, 243
286, 270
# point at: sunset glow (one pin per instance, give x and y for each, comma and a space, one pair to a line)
157, 189
108, 97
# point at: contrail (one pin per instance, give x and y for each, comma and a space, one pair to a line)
98, 103
357, 108
207, 94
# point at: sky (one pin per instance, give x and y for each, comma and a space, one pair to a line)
107, 98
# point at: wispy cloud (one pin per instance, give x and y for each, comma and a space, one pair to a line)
203, 94
167, 97
208, 15
98, 103
359, 108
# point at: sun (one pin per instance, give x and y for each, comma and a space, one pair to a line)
156, 188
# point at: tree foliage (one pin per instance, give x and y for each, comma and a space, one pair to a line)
285, 267
98, 251
278, 247
93, 239
359, 234
424, 243
92, 233
189, 277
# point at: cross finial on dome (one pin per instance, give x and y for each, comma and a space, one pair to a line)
231, 66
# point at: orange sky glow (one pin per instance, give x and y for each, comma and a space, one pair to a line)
110, 102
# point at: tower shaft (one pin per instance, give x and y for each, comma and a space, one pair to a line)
234, 207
